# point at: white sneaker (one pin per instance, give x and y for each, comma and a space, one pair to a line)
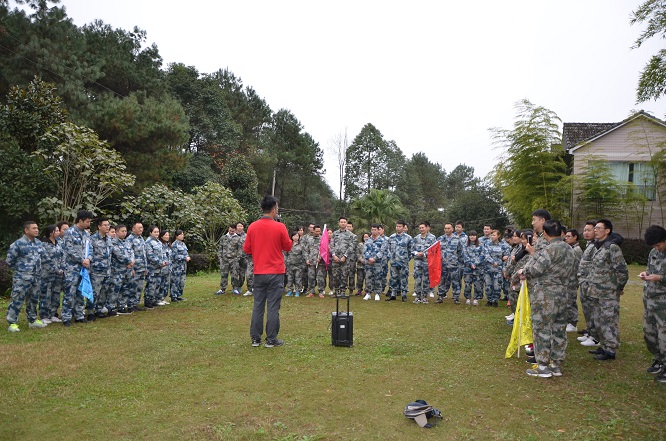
509, 317
467, 302
162, 303
104, 310
37, 324
367, 297
590, 342
377, 298
571, 328
583, 337
413, 294
45, 320
475, 302
432, 294
248, 293
55, 319
165, 302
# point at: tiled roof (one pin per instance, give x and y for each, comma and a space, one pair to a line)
573, 134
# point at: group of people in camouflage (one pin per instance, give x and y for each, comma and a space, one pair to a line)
120, 267
235, 262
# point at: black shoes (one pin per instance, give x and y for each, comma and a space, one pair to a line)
605, 356
390, 298
67, 323
256, 343
83, 320
597, 351
655, 368
404, 298
273, 343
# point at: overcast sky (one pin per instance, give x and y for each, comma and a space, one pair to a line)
433, 76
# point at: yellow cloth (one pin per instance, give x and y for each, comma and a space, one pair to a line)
522, 323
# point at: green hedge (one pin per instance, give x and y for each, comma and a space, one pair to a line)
201, 262
635, 251
5, 277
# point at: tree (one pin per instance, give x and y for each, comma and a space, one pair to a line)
531, 172
338, 149
597, 191
652, 81
83, 171
478, 206
238, 176
378, 206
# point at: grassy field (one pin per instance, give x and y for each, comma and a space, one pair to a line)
187, 371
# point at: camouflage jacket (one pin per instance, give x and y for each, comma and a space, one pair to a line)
121, 256
608, 271
360, 248
100, 254
342, 244
154, 254
231, 247
138, 246
552, 265
74, 246
179, 253
52, 258
25, 256
578, 252
296, 257
494, 254
473, 255
400, 249
656, 265
312, 250
420, 244
374, 249
167, 253
452, 251
354, 253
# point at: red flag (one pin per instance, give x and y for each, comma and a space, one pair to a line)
323, 247
435, 264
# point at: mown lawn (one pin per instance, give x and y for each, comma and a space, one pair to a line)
187, 371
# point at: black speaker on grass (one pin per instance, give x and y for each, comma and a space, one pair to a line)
342, 325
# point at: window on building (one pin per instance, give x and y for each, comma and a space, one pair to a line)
640, 174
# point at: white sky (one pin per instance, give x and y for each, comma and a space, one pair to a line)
431, 75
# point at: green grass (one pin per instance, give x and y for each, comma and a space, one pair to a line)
187, 371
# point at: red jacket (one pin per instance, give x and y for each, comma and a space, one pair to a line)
265, 241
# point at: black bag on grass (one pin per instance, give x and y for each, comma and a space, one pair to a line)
420, 411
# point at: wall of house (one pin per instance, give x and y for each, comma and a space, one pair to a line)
636, 141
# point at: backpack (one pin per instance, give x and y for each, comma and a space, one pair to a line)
420, 411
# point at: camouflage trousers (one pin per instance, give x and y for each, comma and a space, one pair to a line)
177, 283
25, 288
121, 284
572, 304
317, 278
450, 279
230, 267
373, 278
513, 298
493, 280
49, 294
351, 274
399, 282
606, 318
294, 278
153, 286
101, 283
339, 277
249, 274
421, 279
506, 286
549, 323
165, 286
73, 301
360, 276
243, 265
586, 306
136, 287
473, 279
654, 326
384, 275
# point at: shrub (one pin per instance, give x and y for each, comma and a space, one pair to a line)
5, 277
635, 251
199, 262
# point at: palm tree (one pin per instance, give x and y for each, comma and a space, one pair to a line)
378, 207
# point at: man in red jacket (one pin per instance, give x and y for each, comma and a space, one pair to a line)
266, 240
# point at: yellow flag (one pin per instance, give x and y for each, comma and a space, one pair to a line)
522, 323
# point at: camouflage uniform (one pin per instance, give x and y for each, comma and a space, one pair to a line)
244, 264
238, 262
585, 301
421, 277
155, 258
100, 271
452, 262
179, 255
385, 264
51, 279
654, 300
399, 253
360, 267
225, 261
295, 260
24, 257
249, 272
165, 283
506, 284
482, 241
473, 255
493, 274
572, 293
547, 274
351, 264
342, 245
317, 268
74, 248
511, 274
374, 249
140, 269
122, 290
607, 276
305, 241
